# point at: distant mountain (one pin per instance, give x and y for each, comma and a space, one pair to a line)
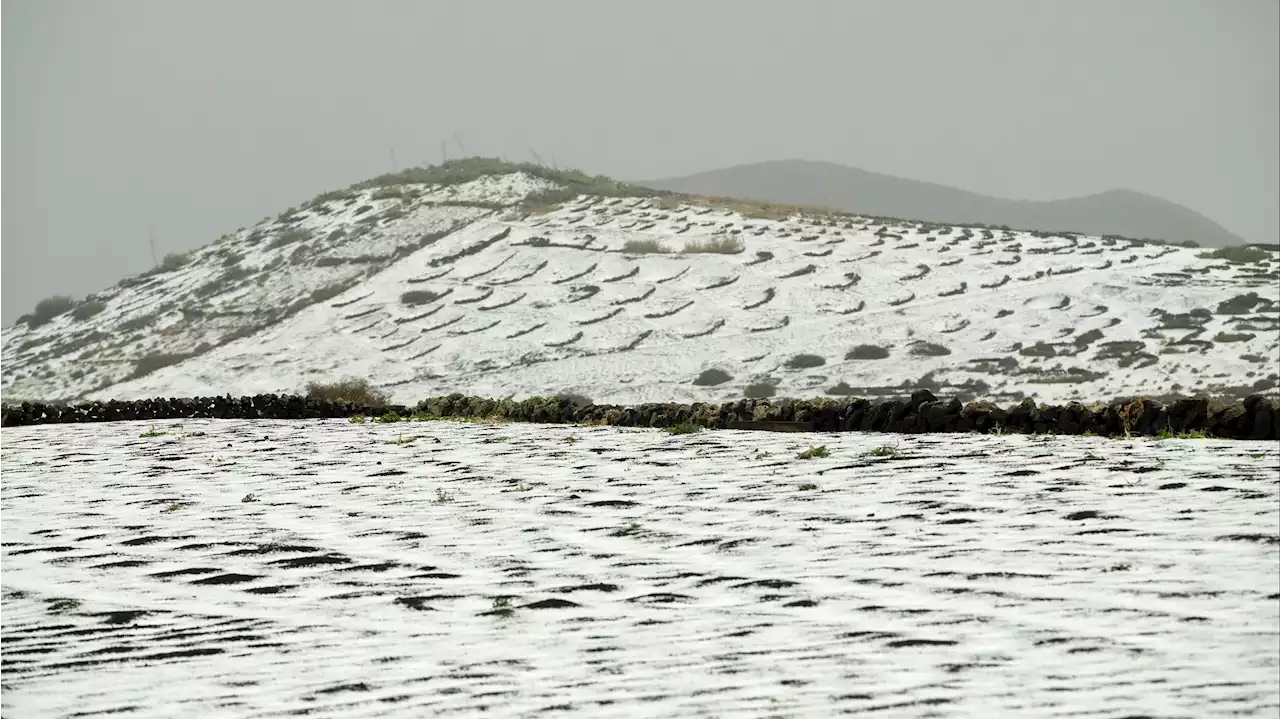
801, 182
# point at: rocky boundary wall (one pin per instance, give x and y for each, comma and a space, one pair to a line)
1256, 418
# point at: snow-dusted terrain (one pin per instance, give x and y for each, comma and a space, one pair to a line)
431, 289
228, 568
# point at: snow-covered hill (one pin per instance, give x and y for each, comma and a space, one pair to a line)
427, 288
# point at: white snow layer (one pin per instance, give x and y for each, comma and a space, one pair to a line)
255, 569
538, 304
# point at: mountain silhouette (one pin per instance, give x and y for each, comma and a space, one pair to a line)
801, 182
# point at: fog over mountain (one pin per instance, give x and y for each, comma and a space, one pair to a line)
1113, 212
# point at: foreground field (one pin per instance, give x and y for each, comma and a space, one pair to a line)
227, 568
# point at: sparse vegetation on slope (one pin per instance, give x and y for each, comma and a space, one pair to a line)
456, 172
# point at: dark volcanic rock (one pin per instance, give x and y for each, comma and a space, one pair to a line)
1257, 418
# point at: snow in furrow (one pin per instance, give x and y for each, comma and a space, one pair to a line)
229, 568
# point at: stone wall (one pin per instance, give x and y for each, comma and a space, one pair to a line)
1255, 418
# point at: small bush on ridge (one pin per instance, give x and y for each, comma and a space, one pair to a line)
47, 309
356, 391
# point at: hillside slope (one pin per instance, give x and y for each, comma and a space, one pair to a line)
482, 281
1116, 212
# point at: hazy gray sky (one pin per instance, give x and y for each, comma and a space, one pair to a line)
199, 118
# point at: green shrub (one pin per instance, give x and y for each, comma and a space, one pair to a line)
867, 352
814, 453
759, 390
356, 391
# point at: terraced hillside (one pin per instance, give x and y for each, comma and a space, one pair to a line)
461, 279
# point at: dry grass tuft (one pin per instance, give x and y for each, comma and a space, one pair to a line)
644, 247
722, 245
